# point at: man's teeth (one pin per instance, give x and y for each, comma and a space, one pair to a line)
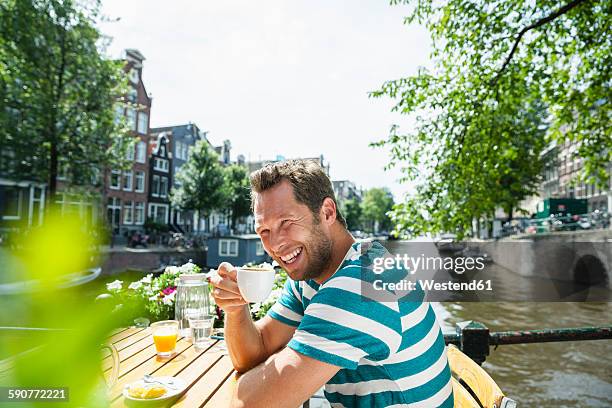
289, 258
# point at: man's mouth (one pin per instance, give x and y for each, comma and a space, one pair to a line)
291, 256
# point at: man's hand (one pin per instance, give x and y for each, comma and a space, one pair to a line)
226, 293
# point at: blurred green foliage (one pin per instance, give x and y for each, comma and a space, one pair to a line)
67, 355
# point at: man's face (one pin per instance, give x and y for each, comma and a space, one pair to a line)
290, 233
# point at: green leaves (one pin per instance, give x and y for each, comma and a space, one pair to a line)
58, 92
509, 77
238, 190
201, 180
377, 202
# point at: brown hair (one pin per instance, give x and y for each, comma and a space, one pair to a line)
310, 183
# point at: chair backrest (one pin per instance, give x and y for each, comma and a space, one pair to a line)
483, 387
462, 397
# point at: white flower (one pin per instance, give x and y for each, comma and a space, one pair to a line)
187, 268
147, 279
176, 281
135, 285
115, 285
266, 265
155, 286
153, 298
167, 300
172, 269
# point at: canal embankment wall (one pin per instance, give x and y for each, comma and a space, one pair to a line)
574, 256
119, 259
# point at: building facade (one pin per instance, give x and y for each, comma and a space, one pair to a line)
126, 191
346, 190
560, 179
183, 138
160, 176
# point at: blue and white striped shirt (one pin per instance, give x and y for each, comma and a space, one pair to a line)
392, 353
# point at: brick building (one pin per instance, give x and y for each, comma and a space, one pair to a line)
126, 191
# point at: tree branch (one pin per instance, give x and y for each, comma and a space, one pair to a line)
536, 24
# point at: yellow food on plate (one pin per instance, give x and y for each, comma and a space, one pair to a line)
147, 392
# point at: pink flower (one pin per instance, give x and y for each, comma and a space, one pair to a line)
168, 290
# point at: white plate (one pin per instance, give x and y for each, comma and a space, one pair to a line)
172, 391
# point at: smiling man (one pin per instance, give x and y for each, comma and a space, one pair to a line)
324, 329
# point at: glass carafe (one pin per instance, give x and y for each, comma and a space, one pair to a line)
192, 297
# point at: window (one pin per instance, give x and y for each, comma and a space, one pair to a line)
259, 248
133, 95
134, 75
143, 123
12, 202
128, 212
127, 181
160, 164
139, 213
141, 152
182, 150
163, 187
140, 182
115, 180
114, 210
131, 118
129, 154
179, 218
159, 212
228, 247
179, 150
119, 113
155, 186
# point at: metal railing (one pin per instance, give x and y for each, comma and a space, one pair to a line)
475, 340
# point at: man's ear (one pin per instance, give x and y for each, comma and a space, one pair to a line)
328, 211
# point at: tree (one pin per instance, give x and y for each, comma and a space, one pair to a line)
238, 192
351, 210
59, 93
509, 78
202, 182
376, 205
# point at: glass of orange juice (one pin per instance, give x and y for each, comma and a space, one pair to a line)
165, 333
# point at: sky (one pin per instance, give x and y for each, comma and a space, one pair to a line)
286, 78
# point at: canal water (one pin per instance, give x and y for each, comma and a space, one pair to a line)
566, 374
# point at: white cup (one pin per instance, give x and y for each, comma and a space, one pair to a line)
255, 284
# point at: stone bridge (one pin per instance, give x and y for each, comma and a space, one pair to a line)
583, 257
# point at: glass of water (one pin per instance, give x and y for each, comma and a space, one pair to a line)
201, 326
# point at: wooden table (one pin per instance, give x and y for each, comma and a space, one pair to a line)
209, 373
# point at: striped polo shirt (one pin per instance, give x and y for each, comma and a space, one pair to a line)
391, 349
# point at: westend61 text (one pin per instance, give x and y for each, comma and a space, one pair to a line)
414, 264
428, 285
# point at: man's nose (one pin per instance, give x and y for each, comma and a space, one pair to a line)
277, 243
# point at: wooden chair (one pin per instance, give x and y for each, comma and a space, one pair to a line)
472, 386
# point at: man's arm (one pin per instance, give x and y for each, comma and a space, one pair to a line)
248, 343
251, 343
285, 379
